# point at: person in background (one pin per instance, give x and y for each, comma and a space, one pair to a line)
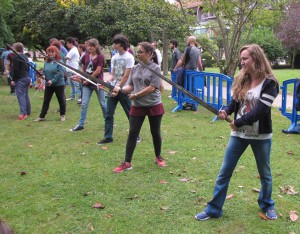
57, 44
175, 54
29, 56
159, 57
72, 59
21, 79
254, 90
4, 56
191, 59
143, 89
130, 50
55, 83
93, 63
62, 45
7, 57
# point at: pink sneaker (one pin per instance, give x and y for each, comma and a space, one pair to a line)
125, 166
22, 117
160, 162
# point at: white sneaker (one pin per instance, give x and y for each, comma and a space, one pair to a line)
62, 118
69, 99
39, 119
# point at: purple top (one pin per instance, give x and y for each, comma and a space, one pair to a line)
90, 65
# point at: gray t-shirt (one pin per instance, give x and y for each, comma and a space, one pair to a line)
194, 55
175, 58
140, 78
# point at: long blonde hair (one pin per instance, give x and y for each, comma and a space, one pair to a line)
262, 67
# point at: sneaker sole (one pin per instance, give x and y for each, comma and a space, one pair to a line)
202, 219
127, 169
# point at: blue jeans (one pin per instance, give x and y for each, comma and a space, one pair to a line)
22, 86
75, 87
111, 107
236, 147
86, 96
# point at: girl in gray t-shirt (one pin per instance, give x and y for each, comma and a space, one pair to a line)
144, 90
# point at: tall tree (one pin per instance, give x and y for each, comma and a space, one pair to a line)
234, 18
6, 35
266, 38
289, 30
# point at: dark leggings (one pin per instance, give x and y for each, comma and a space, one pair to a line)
136, 123
60, 94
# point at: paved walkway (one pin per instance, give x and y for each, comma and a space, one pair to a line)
276, 103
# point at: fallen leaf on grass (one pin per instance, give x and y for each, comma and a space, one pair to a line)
30, 146
192, 191
290, 190
240, 186
290, 152
23, 172
184, 180
108, 216
163, 182
293, 216
98, 205
262, 216
104, 147
132, 198
229, 196
85, 194
256, 190
200, 200
164, 208
172, 152
221, 137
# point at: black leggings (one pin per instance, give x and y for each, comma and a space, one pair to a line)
60, 94
136, 123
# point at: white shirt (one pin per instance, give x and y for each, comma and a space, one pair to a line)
250, 131
73, 58
159, 57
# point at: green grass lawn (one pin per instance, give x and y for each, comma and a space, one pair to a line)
66, 173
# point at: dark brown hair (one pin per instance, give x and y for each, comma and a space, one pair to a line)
149, 48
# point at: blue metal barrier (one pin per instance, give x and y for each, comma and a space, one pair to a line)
291, 114
32, 73
199, 82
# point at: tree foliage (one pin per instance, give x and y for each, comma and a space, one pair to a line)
289, 29
266, 38
101, 19
235, 19
6, 35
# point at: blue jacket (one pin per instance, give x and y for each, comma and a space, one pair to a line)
55, 73
262, 110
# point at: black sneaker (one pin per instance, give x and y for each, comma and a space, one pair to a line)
104, 141
77, 128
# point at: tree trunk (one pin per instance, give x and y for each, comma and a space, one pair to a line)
293, 59
34, 58
165, 52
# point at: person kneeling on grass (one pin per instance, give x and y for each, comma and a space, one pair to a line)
254, 90
55, 83
144, 90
